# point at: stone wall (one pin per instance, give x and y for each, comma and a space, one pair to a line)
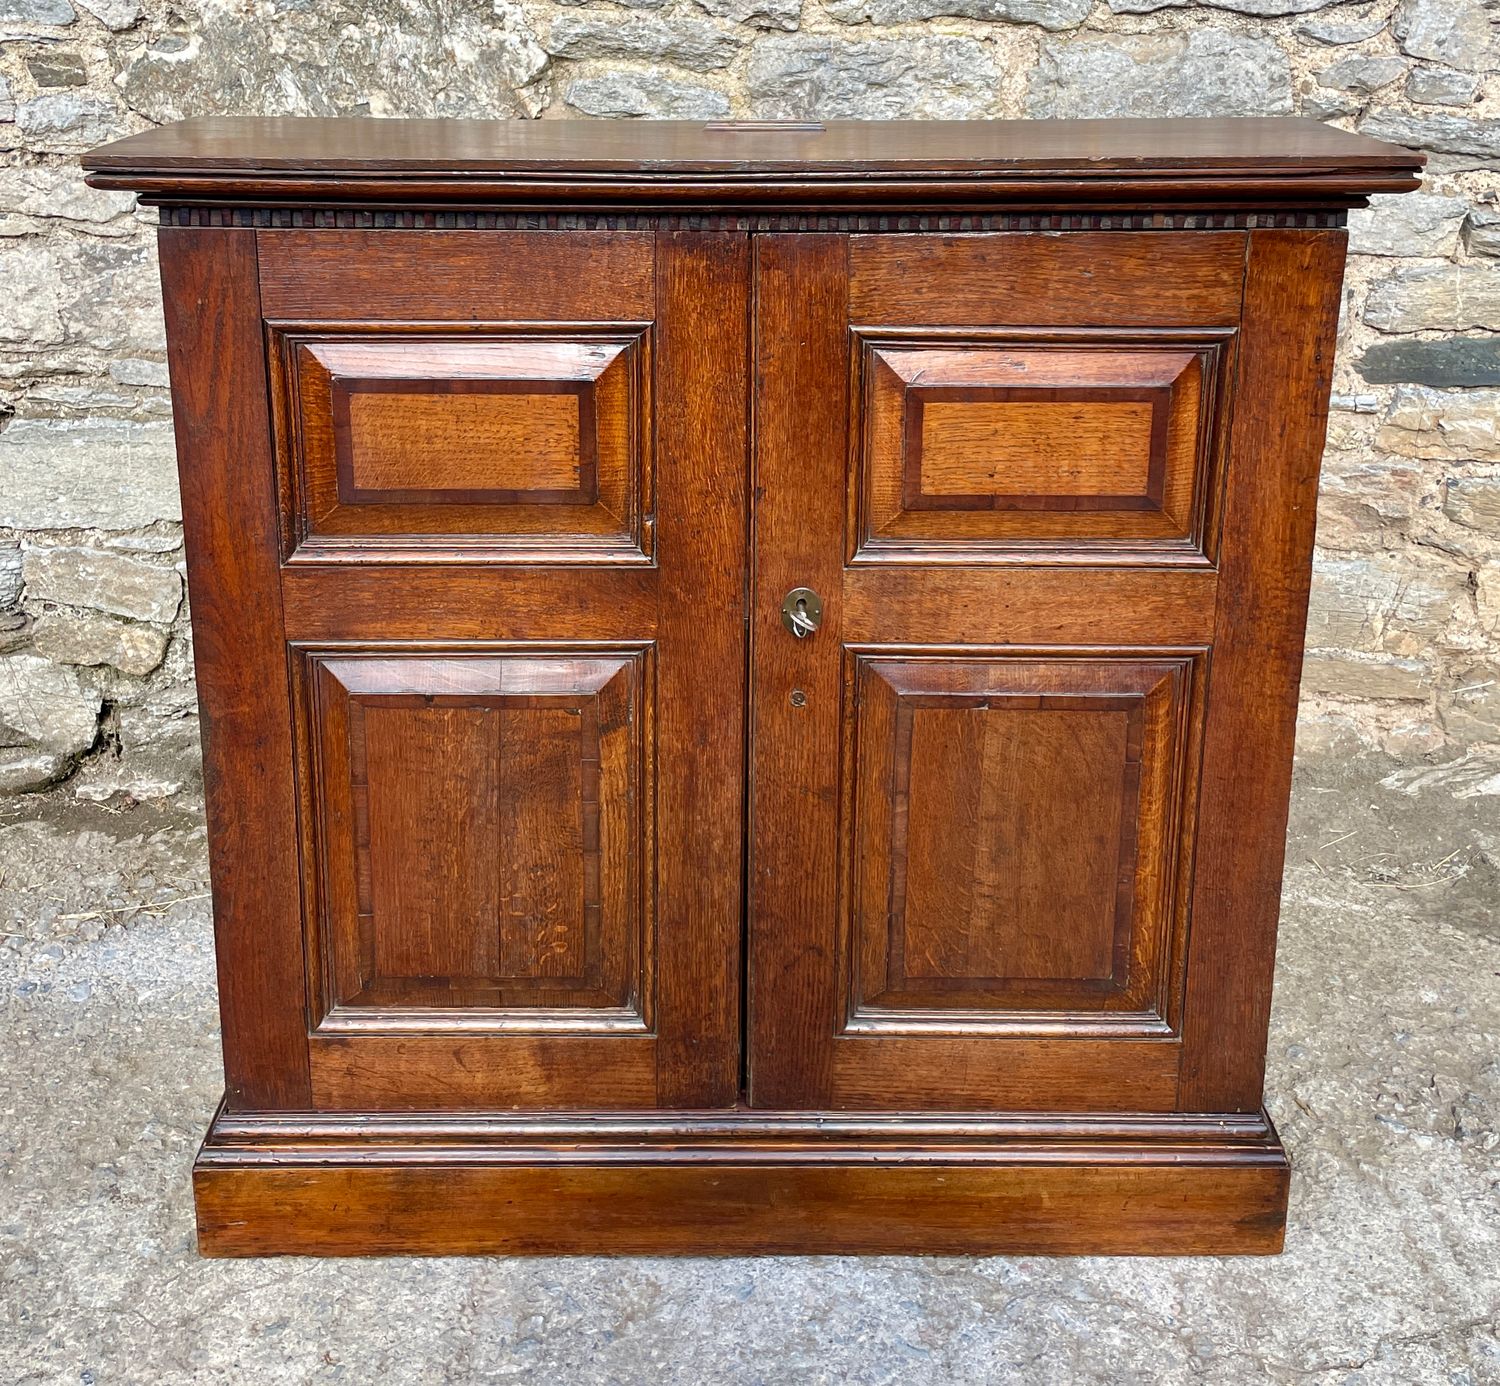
95, 658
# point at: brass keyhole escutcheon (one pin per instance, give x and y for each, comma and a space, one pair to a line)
802, 611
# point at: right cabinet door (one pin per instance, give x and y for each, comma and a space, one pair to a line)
1019, 800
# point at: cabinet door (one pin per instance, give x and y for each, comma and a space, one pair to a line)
1019, 802
496, 537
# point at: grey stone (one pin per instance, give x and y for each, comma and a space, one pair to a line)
46, 706
152, 374
1048, 14
50, 191
32, 273
111, 297
1438, 134
57, 69
442, 58
104, 582
68, 119
690, 43
1416, 223
1198, 73
116, 15
97, 475
1376, 603
1335, 30
7, 106
759, 14
1319, 103
1448, 362
1348, 674
1441, 86
24, 769
54, 12
89, 637
1482, 232
629, 4
1474, 501
1471, 709
1264, 9
1458, 33
814, 76
622, 93
10, 574
1448, 425
1364, 75
1439, 297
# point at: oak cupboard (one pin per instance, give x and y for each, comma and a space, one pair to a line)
748, 671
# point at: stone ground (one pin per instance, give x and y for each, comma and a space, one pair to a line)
1385, 1080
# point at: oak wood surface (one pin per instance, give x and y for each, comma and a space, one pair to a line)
215, 353
897, 164
1291, 318
565, 900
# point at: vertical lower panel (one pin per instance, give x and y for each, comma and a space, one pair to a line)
481, 840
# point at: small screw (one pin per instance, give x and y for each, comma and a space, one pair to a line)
799, 698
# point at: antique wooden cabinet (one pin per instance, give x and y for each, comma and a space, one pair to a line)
748, 671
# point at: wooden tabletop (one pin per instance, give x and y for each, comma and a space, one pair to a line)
887, 163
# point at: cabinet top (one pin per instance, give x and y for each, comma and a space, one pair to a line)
867, 165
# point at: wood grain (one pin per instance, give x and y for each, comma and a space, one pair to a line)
1088, 279
244, 699
1291, 316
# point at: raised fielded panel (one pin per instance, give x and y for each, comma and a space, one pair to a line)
480, 834
1097, 446
1017, 840
491, 443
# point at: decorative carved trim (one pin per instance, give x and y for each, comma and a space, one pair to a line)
347, 218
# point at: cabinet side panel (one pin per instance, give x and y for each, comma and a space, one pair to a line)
217, 362
1276, 444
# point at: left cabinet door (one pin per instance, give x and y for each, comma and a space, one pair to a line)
466, 517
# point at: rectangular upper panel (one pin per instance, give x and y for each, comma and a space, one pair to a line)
486, 276
519, 444
1085, 279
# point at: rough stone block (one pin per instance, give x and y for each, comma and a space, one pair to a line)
1376, 602
1446, 361
694, 44
23, 769
1407, 224
10, 574
46, 707
1482, 232
1441, 86
90, 638
1048, 14
1471, 710
1338, 674
759, 14
815, 76
117, 15
54, 12
103, 582
1361, 74
1198, 73
1474, 501
1444, 298
645, 94
60, 69
1442, 424
1455, 32
386, 57
1336, 31
1438, 134
98, 475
